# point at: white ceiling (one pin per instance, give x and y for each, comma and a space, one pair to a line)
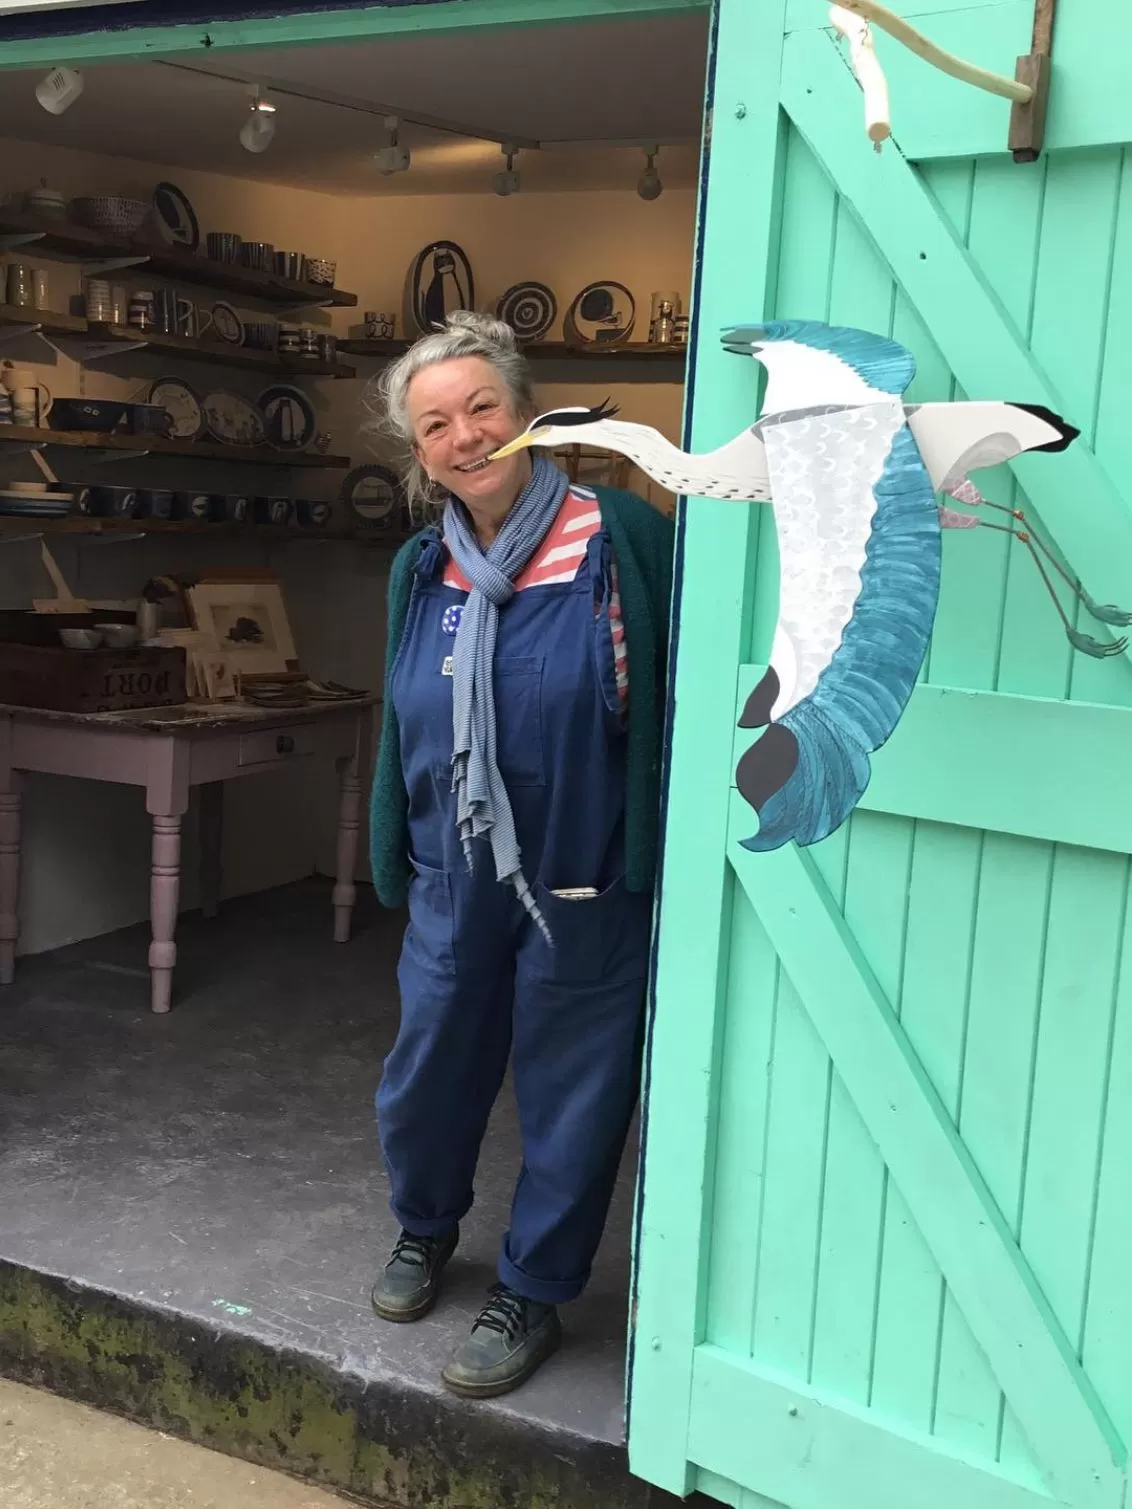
575, 88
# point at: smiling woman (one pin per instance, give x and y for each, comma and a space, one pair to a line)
515, 808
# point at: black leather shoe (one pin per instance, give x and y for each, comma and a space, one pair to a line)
511, 1339
410, 1283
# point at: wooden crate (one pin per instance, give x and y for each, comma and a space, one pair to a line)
91, 681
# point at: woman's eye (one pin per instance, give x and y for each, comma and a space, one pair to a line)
480, 407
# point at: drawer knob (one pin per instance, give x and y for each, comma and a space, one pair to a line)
284, 744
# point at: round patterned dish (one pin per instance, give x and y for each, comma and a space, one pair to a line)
182, 403
530, 309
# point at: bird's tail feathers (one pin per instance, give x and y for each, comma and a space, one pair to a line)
803, 777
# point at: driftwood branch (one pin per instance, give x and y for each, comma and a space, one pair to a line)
946, 62
869, 74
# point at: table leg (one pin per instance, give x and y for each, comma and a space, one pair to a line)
165, 886
211, 815
349, 818
10, 798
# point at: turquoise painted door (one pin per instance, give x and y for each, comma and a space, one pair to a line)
885, 1231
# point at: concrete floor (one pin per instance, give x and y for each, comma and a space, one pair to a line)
209, 1183
59, 1455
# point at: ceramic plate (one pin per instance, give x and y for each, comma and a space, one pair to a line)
374, 495
180, 401
289, 415
232, 419
228, 324
176, 218
530, 309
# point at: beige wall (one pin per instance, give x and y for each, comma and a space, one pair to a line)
86, 848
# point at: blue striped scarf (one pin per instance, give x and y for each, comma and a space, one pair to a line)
482, 804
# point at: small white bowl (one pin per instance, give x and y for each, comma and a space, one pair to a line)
81, 639
120, 636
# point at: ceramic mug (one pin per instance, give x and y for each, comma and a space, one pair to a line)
380, 327
31, 399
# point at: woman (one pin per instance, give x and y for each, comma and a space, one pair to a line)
515, 809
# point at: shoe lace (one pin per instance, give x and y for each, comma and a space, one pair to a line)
505, 1312
417, 1250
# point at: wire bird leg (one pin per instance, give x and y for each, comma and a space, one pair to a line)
1106, 613
1098, 648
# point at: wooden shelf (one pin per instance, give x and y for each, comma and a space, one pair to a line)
155, 445
670, 359
215, 353
14, 316
80, 524
61, 240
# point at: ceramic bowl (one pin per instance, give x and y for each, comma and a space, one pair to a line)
120, 636
97, 414
223, 246
81, 639
259, 255
110, 212
289, 265
319, 270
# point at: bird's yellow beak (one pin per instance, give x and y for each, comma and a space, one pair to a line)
520, 442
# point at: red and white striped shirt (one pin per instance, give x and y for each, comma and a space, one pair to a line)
559, 558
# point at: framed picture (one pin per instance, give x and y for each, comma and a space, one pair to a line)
247, 622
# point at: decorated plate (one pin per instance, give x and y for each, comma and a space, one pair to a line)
183, 404
530, 309
289, 416
176, 218
233, 420
228, 324
374, 495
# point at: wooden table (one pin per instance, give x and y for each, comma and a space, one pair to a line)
168, 751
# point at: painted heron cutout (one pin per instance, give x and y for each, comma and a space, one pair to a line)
852, 473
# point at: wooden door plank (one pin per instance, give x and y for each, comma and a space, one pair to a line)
1073, 1439
810, 1450
1030, 766
738, 232
1085, 513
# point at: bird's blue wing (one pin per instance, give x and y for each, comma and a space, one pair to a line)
810, 769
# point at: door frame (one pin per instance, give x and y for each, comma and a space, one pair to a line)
126, 42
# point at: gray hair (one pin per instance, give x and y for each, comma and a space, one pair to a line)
386, 398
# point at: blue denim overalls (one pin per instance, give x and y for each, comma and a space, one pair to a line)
477, 978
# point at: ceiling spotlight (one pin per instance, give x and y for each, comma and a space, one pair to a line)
259, 128
393, 158
649, 185
59, 90
506, 181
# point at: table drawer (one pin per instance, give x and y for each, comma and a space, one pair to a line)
276, 746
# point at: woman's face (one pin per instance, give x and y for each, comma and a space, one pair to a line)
461, 412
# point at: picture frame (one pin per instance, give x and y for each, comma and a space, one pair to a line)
247, 622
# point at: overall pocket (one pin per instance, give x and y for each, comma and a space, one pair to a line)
602, 939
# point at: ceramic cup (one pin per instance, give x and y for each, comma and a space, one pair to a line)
380, 327
289, 341
21, 285
41, 288
223, 246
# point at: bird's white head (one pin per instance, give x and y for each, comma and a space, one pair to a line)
572, 426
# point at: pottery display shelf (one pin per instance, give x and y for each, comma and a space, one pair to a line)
166, 751
59, 240
155, 445
638, 360
91, 340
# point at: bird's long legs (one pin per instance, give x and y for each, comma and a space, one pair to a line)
1098, 648
1107, 613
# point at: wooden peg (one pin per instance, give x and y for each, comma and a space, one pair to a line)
1028, 120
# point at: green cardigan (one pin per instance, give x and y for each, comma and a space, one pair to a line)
642, 541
